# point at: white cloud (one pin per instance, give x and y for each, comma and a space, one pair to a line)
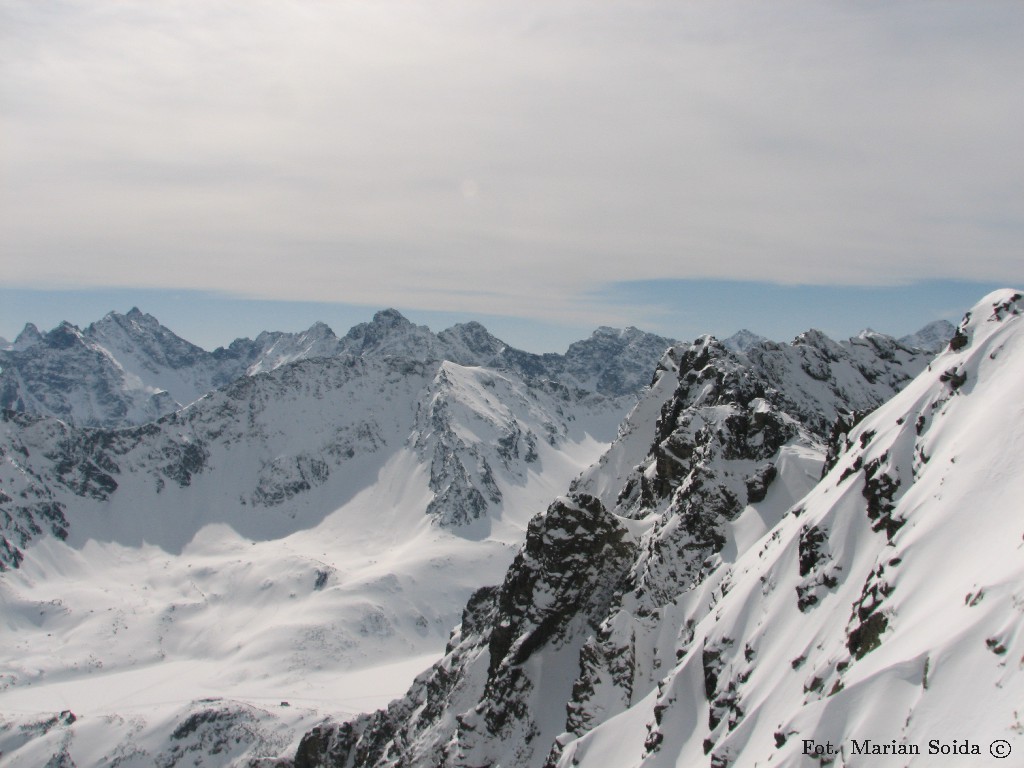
506, 157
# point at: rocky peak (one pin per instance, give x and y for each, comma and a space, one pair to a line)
471, 344
387, 322
133, 322
141, 335
743, 340
29, 336
391, 317
390, 332
931, 338
319, 330
571, 556
606, 337
818, 340
140, 318
384, 321
615, 362
64, 336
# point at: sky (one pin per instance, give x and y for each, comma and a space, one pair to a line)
232, 166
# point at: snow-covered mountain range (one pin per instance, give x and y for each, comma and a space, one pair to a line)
204, 588
752, 591
127, 370
325, 513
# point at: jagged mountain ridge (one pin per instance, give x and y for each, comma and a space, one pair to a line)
737, 438
883, 609
84, 367
126, 370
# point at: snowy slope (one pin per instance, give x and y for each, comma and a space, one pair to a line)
883, 611
710, 458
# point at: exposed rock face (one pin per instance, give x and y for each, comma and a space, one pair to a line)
142, 335
27, 509
559, 585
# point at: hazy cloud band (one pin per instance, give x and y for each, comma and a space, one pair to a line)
507, 157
